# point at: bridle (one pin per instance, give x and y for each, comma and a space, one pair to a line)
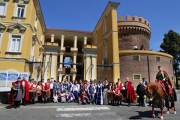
151, 98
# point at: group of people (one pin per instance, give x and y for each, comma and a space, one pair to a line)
85, 92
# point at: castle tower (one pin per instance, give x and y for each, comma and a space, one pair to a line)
134, 31
137, 63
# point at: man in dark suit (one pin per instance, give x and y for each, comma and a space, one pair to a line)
140, 92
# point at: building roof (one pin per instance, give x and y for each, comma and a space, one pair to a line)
66, 30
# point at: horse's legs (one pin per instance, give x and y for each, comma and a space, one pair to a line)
173, 103
162, 114
167, 104
161, 107
174, 109
153, 115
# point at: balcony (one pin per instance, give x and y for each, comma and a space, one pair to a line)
67, 70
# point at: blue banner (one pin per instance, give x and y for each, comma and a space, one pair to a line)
3, 75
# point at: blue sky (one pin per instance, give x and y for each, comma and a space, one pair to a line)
163, 15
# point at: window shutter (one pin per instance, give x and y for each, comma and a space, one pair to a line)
22, 12
18, 12
17, 45
2, 8
13, 44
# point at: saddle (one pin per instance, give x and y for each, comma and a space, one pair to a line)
163, 87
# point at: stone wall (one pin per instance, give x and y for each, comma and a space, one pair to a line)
128, 67
128, 41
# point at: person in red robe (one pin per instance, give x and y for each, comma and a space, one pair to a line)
32, 92
47, 91
130, 93
39, 91
16, 93
117, 96
25, 88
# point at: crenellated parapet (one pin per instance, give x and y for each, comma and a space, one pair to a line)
134, 25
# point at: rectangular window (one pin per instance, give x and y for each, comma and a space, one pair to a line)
136, 58
2, 8
136, 77
20, 11
15, 43
158, 59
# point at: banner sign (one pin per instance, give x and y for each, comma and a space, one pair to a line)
12, 75
3, 75
9, 76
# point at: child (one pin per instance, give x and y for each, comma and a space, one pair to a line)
63, 97
69, 97
55, 97
84, 98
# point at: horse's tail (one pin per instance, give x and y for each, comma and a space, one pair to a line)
175, 95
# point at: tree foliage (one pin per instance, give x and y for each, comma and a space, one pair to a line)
171, 45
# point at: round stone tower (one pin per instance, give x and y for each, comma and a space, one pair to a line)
133, 32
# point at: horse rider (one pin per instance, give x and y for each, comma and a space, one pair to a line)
163, 77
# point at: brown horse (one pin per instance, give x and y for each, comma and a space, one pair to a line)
155, 92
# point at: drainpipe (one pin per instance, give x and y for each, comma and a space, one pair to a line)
148, 68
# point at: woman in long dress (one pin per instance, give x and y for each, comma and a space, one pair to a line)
99, 90
105, 94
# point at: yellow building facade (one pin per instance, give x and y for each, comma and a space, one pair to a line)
22, 29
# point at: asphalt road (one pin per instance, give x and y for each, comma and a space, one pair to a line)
73, 111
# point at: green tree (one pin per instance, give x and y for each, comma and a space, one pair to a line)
171, 45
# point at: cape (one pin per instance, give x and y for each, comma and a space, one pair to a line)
11, 97
130, 93
27, 89
169, 81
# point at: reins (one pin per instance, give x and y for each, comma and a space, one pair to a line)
154, 96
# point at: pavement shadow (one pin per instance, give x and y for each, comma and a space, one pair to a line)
143, 114
8, 107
